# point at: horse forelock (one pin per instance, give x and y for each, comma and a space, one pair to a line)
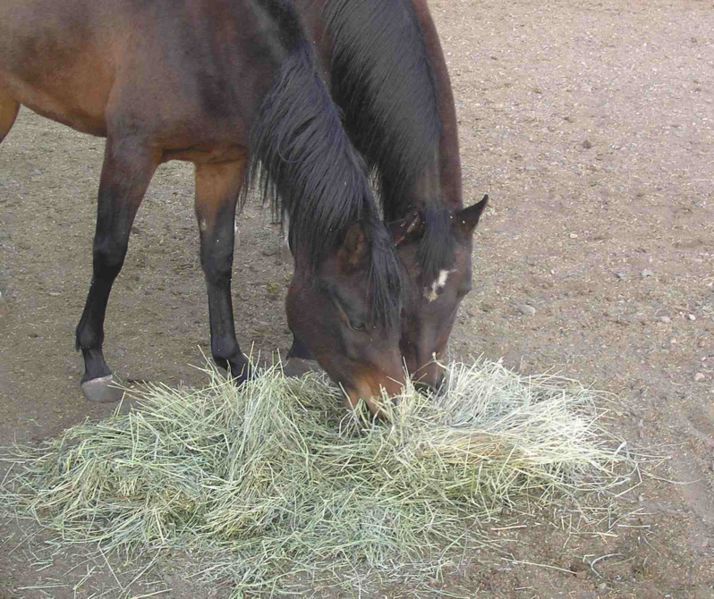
437, 245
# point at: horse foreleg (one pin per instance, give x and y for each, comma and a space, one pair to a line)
217, 190
8, 114
300, 360
127, 171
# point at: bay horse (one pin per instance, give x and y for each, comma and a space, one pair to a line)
234, 87
386, 70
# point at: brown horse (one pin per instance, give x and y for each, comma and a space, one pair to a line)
228, 85
387, 72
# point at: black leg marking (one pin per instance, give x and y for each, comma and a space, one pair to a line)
300, 350
300, 360
217, 190
126, 173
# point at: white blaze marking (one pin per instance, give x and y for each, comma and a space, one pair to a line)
432, 294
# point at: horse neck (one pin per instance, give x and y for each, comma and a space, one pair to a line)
446, 167
438, 185
427, 175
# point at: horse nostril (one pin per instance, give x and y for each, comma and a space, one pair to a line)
429, 382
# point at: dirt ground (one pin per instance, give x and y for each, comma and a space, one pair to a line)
591, 124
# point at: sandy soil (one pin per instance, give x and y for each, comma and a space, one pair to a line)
591, 124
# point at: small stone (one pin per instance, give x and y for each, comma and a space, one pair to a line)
527, 310
665, 319
573, 236
587, 144
273, 288
647, 273
691, 317
487, 307
621, 275
699, 377
54, 293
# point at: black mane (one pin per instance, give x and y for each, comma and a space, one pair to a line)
382, 78
308, 169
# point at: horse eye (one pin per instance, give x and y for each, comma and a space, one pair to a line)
359, 327
348, 315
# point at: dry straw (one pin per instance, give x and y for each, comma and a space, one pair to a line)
273, 482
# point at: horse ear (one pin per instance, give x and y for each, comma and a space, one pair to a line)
408, 228
468, 218
353, 251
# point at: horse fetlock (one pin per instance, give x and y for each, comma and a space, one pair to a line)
241, 372
228, 355
237, 367
95, 367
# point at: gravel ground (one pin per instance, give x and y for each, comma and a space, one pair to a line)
591, 124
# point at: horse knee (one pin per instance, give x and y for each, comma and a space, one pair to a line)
218, 266
108, 257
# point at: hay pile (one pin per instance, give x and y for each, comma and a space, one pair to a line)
275, 480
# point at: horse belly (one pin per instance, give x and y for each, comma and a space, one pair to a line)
51, 62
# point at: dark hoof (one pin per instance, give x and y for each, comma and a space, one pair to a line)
239, 373
245, 376
102, 390
297, 367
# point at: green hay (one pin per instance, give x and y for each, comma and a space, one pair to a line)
276, 481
